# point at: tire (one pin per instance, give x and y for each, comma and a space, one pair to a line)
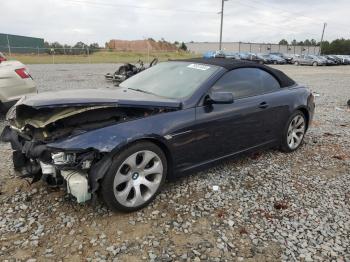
314, 64
294, 132
130, 184
296, 63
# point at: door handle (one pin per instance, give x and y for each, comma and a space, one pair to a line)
263, 105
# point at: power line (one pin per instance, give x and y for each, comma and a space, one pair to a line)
286, 11
272, 25
293, 15
139, 7
268, 25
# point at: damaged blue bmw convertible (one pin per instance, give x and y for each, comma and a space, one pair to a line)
175, 117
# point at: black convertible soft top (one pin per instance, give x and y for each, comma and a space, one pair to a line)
231, 64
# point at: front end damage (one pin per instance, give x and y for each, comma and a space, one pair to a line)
36, 160
33, 132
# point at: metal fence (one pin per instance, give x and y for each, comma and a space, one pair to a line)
86, 55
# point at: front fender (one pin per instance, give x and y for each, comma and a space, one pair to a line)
110, 140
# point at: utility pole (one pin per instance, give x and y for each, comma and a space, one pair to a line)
221, 24
324, 28
8, 44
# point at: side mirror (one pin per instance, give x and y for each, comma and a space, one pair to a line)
220, 98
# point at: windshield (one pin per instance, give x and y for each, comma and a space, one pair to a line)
275, 57
171, 79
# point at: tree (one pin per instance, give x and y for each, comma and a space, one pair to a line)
325, 47
80, 48
93, 47
307, 42
58, 48
176, 43
283, 42
313, 42
80, 45
183, 46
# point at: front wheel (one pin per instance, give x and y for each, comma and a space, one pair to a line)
294, 132
296, 63
315, 64
135, 177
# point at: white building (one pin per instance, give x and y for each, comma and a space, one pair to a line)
202, 47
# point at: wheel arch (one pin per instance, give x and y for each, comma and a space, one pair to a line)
102, 167
163, 146
306, 113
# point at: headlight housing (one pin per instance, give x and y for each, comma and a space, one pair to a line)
62, 158
73, 160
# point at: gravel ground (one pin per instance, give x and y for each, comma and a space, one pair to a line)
269, 206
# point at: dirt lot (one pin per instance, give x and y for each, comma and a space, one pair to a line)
269, 207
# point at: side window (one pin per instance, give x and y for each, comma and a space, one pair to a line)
245, 82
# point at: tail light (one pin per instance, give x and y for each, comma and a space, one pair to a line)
22, 72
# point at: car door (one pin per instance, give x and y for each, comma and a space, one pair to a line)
302, 60
226, 129
309, 60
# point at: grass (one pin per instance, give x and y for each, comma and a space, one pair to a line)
99, 57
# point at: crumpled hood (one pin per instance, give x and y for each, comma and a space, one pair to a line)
82, 97
46, 108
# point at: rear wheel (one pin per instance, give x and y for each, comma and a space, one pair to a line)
294, 132
315, 64
296, 63
135, 178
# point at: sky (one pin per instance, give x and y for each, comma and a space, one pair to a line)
267, 21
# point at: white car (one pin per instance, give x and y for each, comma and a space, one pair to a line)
15, 82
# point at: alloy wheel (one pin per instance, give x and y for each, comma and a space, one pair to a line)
138, 178
296, 131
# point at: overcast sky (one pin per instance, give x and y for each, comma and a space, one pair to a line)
69, 21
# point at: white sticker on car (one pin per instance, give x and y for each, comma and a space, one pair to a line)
199, 67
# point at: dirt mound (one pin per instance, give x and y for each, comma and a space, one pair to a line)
140, 45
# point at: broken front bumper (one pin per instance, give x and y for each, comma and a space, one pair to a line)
40, 162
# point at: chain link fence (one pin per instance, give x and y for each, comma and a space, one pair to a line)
36, 55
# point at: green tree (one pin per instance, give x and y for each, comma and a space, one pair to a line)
325, 48
307, 42
80, 48
283, 42
93, 47
183, 46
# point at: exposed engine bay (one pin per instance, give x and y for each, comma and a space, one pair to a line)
49, 124
32, 130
